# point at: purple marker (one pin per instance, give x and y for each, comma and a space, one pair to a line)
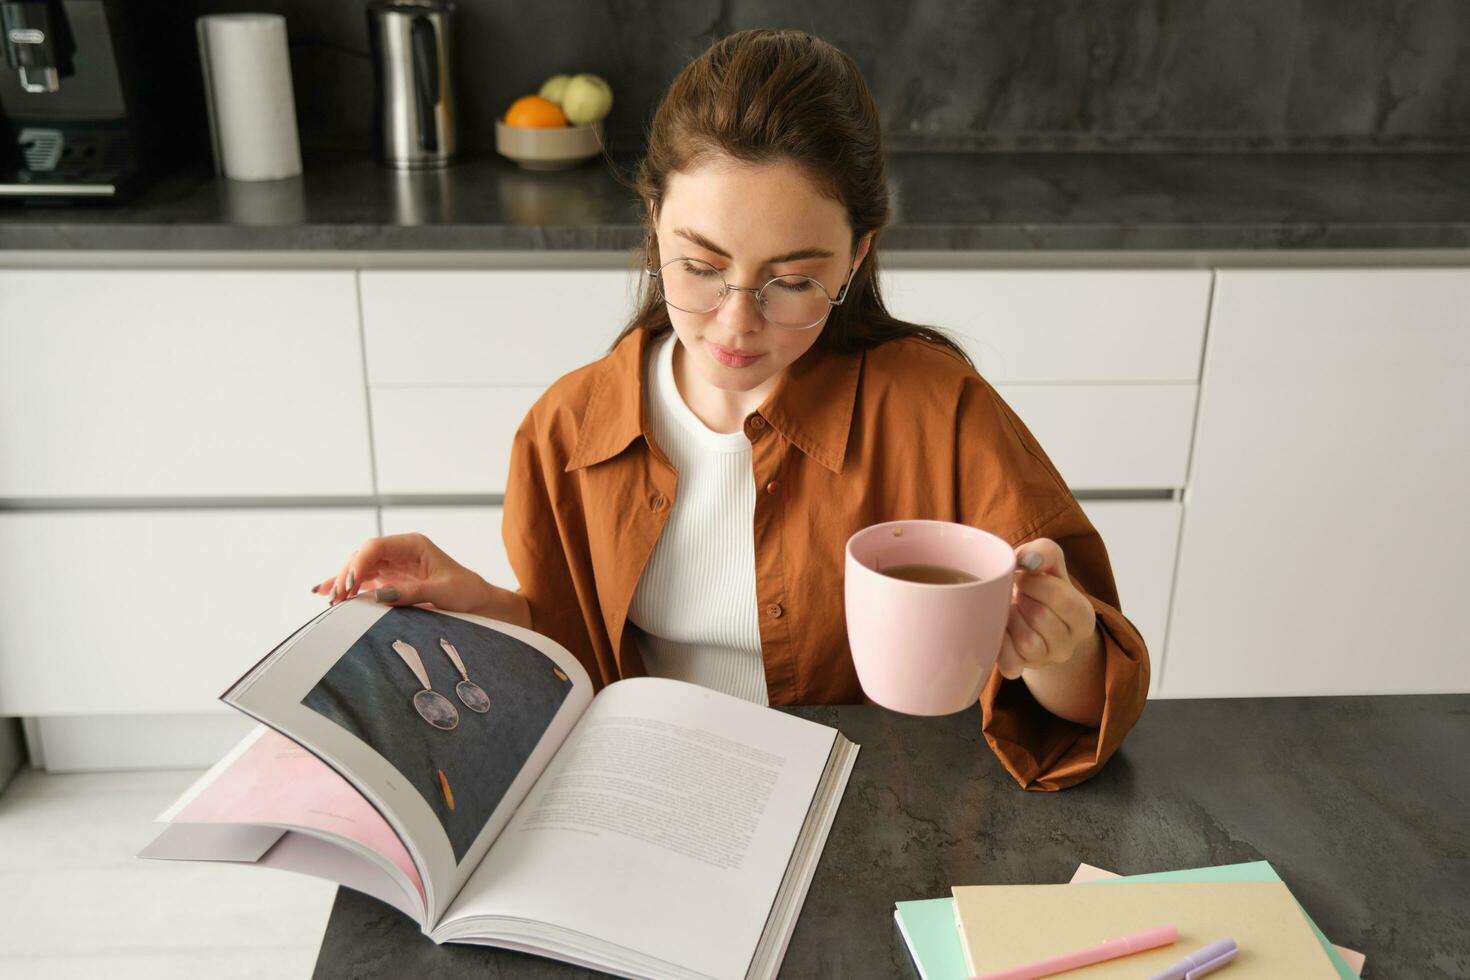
1200, 962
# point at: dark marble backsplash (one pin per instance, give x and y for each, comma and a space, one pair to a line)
962, 74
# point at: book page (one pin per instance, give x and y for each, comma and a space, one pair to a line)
663, 826
303, 854
273, 781
444, 754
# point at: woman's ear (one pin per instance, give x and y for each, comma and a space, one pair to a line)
863, 245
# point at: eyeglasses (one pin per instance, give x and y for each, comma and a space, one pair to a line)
792, 302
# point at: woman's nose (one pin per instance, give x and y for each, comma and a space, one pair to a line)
741, 311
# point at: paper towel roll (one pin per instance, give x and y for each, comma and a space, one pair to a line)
247, 87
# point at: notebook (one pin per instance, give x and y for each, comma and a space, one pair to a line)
927, 925
1004, 926
1348, 962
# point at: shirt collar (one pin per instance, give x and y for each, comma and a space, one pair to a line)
811, 406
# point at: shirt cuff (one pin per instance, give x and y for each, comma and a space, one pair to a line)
1043, 752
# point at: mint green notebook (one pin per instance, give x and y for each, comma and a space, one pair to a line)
934, 943
928, 927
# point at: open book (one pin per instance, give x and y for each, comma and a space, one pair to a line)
460, 769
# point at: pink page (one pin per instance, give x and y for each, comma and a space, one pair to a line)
276, 781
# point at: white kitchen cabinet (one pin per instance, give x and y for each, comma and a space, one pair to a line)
456, 358
1324, 538
1101, 365
1141, 537
1110, 437
470, 535
156, 611
493, 327
181, 383
446, 440
1083, 326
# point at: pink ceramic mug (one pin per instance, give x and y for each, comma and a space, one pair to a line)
919, 648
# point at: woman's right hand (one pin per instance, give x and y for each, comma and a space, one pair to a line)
406, 569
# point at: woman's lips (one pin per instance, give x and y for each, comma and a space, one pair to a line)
730, 358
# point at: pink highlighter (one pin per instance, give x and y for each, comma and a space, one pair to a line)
1108, 949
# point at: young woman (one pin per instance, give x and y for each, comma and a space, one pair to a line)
680, 507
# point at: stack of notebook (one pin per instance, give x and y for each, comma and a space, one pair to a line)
985, 928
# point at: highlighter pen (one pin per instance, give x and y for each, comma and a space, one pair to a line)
1200, 962
1108, 949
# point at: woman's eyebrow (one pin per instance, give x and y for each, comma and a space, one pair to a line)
801, 253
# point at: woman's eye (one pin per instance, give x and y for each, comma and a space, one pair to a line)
703, 271
794, 286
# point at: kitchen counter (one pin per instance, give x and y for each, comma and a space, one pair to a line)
1037, 202
1357, 802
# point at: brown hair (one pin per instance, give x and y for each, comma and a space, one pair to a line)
762, 96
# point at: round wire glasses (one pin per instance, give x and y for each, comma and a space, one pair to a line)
792, 302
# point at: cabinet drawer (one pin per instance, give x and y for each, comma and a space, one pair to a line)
1110, 437
128, 612
180, 383
1142, 539
502, 327
470, 535
1098, 326
446, 440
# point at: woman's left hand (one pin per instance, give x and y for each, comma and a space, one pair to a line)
1050, 619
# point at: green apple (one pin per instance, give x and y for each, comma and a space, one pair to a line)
554, 88
586, 100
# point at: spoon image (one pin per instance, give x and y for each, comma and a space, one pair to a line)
432, 706
472, 694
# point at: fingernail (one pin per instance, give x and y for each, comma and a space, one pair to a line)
1030, 561
351, 580
315, 587
387, 594
333, 596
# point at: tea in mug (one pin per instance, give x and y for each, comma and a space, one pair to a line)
929, 574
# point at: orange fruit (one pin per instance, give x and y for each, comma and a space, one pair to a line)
534, 111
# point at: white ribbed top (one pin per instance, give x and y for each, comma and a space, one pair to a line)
696, 603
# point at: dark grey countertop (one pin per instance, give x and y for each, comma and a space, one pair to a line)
1359, 803
943, 201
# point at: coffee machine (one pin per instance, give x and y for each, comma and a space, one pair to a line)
83, 108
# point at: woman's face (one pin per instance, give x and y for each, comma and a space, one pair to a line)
739, 218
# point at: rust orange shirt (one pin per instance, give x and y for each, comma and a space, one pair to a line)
905, 430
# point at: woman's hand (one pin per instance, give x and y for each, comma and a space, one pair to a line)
405, 569
1052, 641
1051, 621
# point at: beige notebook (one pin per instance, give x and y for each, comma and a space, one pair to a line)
1009, 925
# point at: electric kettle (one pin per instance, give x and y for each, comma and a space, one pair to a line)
414, 123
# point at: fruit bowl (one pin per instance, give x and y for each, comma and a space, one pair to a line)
550, 147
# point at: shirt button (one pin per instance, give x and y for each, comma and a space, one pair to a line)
757, 423
658, 501
771, 487
774, 610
